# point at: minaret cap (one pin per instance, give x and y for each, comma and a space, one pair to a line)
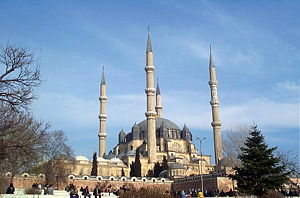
103, 77
211, 60
157, 88
149, 45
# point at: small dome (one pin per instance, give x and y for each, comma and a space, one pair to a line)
122, 132
176, 166
228, 161
101, 159
115, 160
81, 158
158, 122
163, 173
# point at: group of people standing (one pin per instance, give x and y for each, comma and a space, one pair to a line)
85, 191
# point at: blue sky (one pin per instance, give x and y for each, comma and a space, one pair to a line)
255, 46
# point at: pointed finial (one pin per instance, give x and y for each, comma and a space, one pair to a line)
157, 88
103, 77
149, 45
211, 61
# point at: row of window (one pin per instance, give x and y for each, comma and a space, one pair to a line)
112, 178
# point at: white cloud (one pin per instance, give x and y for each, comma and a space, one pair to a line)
289, 85
187, 107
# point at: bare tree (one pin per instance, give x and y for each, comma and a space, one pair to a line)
18, 77
58, 158
290, 160
22, 140
233, 139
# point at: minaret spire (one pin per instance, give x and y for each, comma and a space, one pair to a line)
149, 44
216, 124
211, 59
103, 76
150, 113
158, 106
102, 117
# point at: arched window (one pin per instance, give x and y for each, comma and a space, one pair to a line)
131, 147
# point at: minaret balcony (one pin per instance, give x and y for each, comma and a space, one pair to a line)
150, 90
149, 68
216, 124
158, 107
102, 116
150, 114
102, 98
213, 83
102, 135
214, 103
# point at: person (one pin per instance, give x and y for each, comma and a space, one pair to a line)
97, 192
46, 190
222, 193
194, 193
10, 189
50, 190
74, 192
86, 192
183, 194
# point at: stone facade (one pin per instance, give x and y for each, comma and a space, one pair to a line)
155, 137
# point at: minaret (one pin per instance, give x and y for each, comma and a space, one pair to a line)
150, 113
102, 117
158, 106
216, 124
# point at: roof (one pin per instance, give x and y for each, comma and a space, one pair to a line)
115, 160
176, 166
228, 161
81, 158
159, 121
149, 45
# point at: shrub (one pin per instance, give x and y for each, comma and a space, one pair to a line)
4, 183
33, 191
145, 193
273, 194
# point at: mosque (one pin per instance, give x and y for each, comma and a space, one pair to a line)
155, 137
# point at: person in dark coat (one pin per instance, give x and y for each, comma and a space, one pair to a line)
97, 192
86, 192
10, 189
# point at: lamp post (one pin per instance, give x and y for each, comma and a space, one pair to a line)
200, 142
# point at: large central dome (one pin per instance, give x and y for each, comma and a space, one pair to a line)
158, 122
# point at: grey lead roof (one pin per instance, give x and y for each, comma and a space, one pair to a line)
159, 121
157, 89
103, 77
211, 60
149, 44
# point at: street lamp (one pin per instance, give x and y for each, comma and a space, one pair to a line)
200, 142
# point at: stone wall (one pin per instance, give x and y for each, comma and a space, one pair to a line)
117, 182
25, 180
210, 183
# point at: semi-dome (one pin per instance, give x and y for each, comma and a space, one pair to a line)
81, 158
158, 122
